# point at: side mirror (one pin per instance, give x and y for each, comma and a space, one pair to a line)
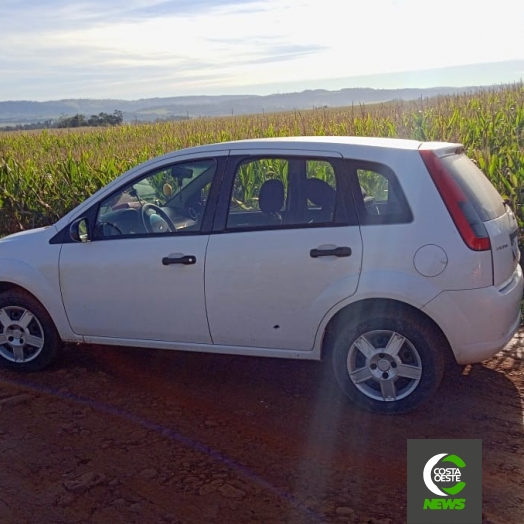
79, 230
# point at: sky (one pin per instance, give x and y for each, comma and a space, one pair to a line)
131, 49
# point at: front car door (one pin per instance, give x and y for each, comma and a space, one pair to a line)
286, 249
141, 274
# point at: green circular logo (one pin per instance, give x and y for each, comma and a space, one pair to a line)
444, 474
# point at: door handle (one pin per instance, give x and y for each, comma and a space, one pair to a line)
343, 251
186, 260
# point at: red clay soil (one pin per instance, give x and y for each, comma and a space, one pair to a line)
115, 435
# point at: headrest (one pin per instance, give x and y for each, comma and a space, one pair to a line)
320, 193
271, 196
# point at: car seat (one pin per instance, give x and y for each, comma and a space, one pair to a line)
271, 200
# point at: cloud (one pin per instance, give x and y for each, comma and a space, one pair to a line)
142, 48
35, 15
278, 53
184, 7
155, 52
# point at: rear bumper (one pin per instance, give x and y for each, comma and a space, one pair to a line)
478, 322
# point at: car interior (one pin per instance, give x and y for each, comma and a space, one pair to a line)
166, 201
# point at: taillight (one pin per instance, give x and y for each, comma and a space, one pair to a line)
463, 213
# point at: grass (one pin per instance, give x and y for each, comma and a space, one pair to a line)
43, 174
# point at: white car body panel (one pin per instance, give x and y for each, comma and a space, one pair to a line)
29, 261
479, 322
505, 252
390, 250
120, 289
258, 280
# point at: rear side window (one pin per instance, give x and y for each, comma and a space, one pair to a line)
379, 197
479, 190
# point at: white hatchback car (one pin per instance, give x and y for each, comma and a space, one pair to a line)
386, 256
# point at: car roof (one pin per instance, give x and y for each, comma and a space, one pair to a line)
325, 142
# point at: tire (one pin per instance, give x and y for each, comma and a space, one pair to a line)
389, 361
29, 340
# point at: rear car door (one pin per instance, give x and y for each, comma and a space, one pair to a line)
285, 248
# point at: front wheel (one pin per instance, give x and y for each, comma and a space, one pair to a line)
390, 362
28, 337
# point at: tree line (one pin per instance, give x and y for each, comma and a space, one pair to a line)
78, 120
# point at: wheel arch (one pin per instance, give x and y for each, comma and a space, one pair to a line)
29, 346
55, 311
11, 286
361, 307
6, 286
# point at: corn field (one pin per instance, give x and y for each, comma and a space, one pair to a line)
44, 174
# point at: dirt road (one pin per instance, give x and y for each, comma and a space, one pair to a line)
112, 435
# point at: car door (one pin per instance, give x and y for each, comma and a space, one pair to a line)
286, 249
141, 274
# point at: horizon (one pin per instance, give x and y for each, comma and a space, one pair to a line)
507, 69
134, 49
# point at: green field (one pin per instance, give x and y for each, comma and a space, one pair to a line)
43, 174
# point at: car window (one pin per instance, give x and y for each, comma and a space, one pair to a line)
383, 200
167, 200
480, 191
266, 176
282, 192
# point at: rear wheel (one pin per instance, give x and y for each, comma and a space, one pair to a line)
390, 361
28, 338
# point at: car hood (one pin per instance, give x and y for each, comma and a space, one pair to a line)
29, 234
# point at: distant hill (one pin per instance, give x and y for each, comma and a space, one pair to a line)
150, 109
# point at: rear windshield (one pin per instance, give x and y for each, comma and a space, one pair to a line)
480, 191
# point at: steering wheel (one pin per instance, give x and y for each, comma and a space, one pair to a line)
151, 209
